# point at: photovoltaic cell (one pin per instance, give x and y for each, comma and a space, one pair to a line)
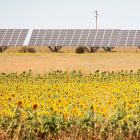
33, 38
40, 34
106, 38
61, 37
76, 37
68, 37
54, 37
83, 38
114, 38
123, 38
98, 38
129, 38
91, 38
12, 37
137, 38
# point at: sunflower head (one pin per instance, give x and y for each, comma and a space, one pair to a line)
102, 110
20, 103
10, 99
66, 72
42, 106
65, 115
35, 106
24, 72
82, 105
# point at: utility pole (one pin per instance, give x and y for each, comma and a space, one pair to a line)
96, 18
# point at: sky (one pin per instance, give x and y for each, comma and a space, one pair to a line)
69, 14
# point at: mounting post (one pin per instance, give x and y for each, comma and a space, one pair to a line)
96, 18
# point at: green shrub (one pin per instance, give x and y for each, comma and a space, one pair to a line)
79, 49
31, 50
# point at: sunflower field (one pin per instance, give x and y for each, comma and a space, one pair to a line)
70, 106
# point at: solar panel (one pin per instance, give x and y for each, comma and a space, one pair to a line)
106, 38
68, 37
47, 37
54, 37
123, 37
91, 37
114, 38
74, 37
12, 37
129, 38
99, 37
2, 34
137, 38
40, 35
33, 37
83, 37
61, 37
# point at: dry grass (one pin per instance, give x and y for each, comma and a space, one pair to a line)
43, 63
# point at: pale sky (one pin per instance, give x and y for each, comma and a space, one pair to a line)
69, 14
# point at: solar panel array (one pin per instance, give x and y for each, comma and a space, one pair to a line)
12, 37
129, 38
71, 37
74, 37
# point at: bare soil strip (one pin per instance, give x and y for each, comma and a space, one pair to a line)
39, 63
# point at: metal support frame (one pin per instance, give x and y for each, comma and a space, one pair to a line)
92, 49
108, 48
55, 48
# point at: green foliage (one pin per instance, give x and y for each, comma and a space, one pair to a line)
80, 49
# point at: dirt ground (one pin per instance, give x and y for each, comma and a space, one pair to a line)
43, 63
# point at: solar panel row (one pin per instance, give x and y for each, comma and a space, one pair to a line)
74, 37
71, 37
12, 37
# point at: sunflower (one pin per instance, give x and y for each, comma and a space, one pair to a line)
42, 106
35, 106
102, 110
138, 100
55, 108
61, 111
135, 111
65, 115
75, 111
128, 116
82, 105
66, 72
82, 115
10, 99
46, 112
23, 114
20, 103
24, 72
